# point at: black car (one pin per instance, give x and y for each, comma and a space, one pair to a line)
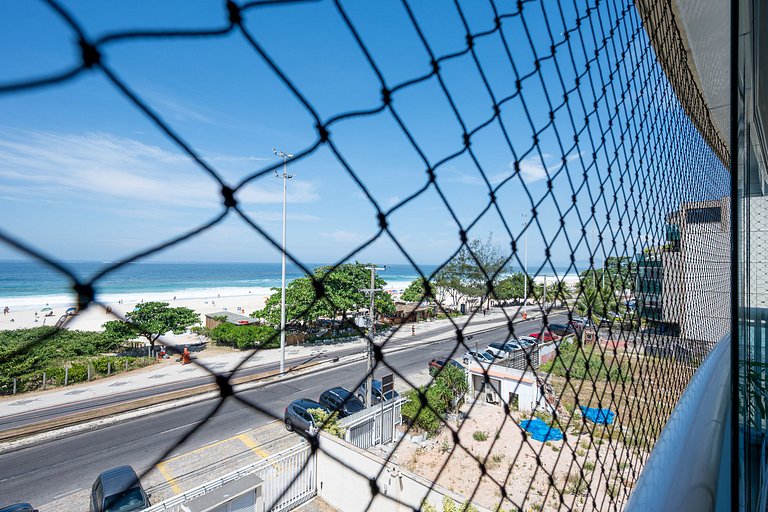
561, 330
118, 489
298, 418
341, 400
19, 507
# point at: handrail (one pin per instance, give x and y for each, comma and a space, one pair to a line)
683, 468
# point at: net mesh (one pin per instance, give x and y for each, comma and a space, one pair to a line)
611, 175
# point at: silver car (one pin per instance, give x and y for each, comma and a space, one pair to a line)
297, 417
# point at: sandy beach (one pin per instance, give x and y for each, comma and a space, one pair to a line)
234, 300
94, 317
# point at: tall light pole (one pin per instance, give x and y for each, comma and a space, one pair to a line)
286, 177
525, 261
371, 331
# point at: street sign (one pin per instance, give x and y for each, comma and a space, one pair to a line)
387, 384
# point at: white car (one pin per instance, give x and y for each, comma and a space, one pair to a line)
497, 353
480, 357
527, 341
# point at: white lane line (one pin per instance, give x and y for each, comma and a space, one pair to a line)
178, 428
243, 431
66, 494
210, 443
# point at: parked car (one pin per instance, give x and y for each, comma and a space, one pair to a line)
19, 507
118, 489
509, 346
544, 337
297, 417
498, 353
561, 330
376, 394
436, 364
526, 341
342, 401
480, 357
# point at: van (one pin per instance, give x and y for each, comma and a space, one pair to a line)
118, 490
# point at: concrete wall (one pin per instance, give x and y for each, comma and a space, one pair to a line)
344, 472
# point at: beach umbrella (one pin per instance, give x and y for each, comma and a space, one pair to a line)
46, 309
71, 310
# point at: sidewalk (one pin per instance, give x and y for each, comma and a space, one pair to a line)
169, 371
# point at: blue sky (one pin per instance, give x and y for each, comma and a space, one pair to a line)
85, 176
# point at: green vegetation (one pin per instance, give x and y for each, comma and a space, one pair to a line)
328, 422
585, 363
151, 320
341, 294
479, 435
576, 484
245, 336
513, 287
468, 273
442, 396
27, 353
415, 291
448, 506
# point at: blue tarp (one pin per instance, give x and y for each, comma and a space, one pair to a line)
604, 416
541, 431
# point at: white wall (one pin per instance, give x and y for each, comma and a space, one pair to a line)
343, 473
504, 381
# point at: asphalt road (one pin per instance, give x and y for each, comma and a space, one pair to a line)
39, 474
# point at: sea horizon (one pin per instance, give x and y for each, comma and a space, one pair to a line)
25, 283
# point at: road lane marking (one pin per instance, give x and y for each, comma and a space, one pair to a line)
256, 448
178, 428
66, 494
168, 477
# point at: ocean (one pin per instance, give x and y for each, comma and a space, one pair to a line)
27, 283
32, 284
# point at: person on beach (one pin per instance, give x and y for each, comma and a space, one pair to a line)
6, 310
185, 357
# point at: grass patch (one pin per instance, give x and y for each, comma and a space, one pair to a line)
479, 435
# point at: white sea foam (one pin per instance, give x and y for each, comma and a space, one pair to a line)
59, 300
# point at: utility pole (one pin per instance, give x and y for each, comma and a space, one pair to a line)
545, 293
286, 177
525, 259
371, 332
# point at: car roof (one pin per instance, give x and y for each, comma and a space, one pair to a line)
342, 392
306, 403
18, 507
119, 479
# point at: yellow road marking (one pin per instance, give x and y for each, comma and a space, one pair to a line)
168, 478
198, 450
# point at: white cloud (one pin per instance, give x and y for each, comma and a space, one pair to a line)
342, 236
532, 170
49, 166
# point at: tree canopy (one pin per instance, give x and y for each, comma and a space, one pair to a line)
245, 336
343, 294
467, 274
415, 291
513, 287
151, 320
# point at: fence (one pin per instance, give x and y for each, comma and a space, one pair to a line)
288, 479
475, 135
374, 425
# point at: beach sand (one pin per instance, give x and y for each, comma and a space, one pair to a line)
95, 316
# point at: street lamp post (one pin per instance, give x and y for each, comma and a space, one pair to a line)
525, 262
285, 177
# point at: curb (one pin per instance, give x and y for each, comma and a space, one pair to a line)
49, 430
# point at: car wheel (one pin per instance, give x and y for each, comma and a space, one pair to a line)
289, 425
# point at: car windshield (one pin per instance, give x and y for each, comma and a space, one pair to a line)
126, 501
